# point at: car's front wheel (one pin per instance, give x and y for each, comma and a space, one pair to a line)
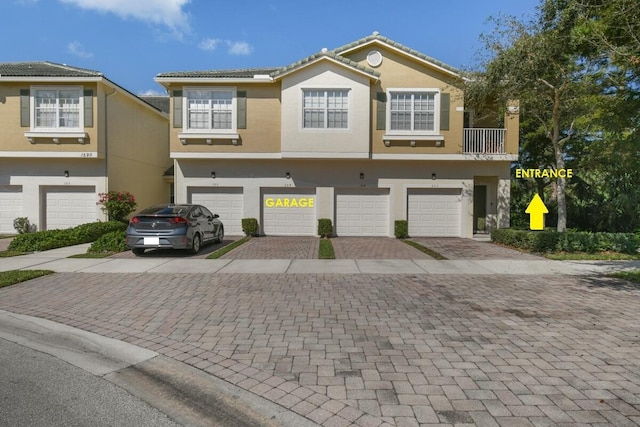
220, 237
195, 244
137, 251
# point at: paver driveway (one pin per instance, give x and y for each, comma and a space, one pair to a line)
375, 350
458, 248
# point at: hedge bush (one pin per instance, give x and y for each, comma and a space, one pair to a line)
325, 228
52, 239
250, 226
570, 241
401, 229
114, 241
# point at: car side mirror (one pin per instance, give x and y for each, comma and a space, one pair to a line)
216, 216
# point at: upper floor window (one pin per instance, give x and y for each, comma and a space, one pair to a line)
57, 108
325, 109
210, 109
413, 111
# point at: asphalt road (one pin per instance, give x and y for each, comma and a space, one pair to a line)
37, 389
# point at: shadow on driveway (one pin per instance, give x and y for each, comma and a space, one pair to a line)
205, 251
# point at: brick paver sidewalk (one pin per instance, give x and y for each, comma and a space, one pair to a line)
368, 350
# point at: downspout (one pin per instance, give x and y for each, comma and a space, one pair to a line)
106, 139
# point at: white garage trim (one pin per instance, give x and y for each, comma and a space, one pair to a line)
67, 207
10, 207
289, 211
225, 201
362, 212
434, 212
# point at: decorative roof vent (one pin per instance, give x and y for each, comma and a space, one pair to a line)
324, 50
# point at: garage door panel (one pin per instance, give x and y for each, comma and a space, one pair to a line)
227, 202
69, 207
362, 213
11, 206
434, 212
279, 218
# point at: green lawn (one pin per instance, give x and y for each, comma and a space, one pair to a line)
326, 250
12, 277
632, 276
604, 256
228, 248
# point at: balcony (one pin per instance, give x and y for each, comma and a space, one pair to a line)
484, 141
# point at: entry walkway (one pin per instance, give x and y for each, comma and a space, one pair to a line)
58, 261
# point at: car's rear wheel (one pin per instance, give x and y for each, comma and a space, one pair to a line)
220, 234
195, 244
137, 251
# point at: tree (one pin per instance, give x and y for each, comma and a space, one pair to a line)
539, 63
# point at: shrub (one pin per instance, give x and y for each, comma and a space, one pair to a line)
113, 241
570, 241
52, 239
250, 226
401, 229
23, 226
117, 205
325, 228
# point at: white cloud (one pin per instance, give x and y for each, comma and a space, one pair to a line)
76, 48
239, 48
209, 44
162, 12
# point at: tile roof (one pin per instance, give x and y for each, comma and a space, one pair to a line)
400, 46
44, 69
160, 102
220, 74
329, 54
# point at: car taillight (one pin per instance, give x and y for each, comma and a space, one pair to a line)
179, 220
135, 220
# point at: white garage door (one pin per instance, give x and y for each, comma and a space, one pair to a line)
434, 212
68, 207
362, 212
289, 212
224, 201
10, 207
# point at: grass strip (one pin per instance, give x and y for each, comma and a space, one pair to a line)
93, 255
632, 276
228, 248
600, 256
425, 250
326, 250
12, 277
7, 254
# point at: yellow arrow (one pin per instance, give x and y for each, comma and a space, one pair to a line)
536, 211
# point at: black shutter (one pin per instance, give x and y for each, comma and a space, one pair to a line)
241, 100
24, 108
88, 108
381, 111
177, 108
445, 102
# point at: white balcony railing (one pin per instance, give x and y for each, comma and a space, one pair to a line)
484, 141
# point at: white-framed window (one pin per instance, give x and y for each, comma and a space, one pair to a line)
210, 110
325, 109
57, 108
413, 111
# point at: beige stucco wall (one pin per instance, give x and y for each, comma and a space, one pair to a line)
262, 134
137, 147
12, 137
350, 142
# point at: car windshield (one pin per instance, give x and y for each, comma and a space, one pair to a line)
166, 210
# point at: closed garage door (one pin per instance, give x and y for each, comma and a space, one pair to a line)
10, 207
434, 212
224, 201
289, 212
68, 207
362, 212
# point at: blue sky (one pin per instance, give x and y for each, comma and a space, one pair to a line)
131, 41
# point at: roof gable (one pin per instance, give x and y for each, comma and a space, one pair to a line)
323, 56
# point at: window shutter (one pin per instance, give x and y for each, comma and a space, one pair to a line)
241, 99
88, 108
24, 108
445, 102
381, 111
177, 108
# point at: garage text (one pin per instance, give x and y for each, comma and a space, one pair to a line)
302, 202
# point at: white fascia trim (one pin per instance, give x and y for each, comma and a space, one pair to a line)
53, 154
328, 58
391, 47
466, 157
317, 155
184, 155
167, 81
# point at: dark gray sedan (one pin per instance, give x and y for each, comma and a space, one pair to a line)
182, 226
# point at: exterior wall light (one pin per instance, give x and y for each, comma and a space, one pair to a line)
287, 175
213, 174
433, 176
361, 175
66, 174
